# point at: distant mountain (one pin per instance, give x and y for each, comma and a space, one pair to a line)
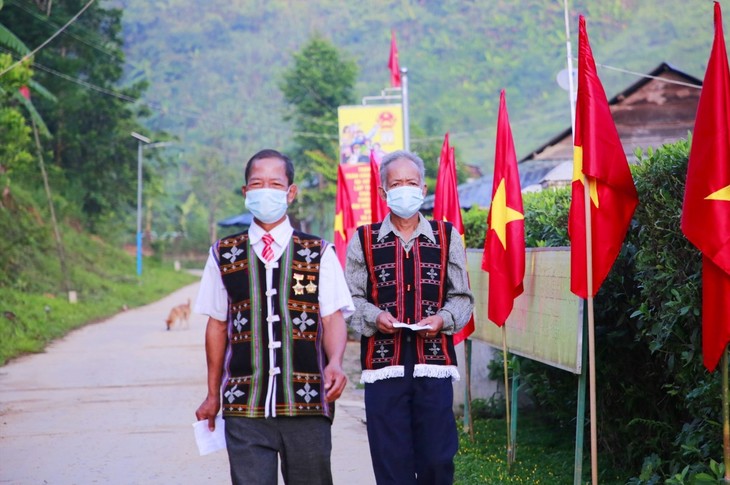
214, 67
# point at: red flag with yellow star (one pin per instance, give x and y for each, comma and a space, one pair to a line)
706, 210
344, 218
393, 63
504, 245
446, 207
600, 161
378, 206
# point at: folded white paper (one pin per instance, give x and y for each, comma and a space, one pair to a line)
412, 326
209, 441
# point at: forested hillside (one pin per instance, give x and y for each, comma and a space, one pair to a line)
214, 67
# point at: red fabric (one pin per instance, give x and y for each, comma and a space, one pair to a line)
268, 252
706, 210
504, 245
446, 207
599, 156
378, 207
393, 63
344, 218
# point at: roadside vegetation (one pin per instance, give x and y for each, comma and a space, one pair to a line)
659, 410
34, 304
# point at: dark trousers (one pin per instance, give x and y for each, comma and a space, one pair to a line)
411, 429
303, 443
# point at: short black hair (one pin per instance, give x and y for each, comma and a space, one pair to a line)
269, 153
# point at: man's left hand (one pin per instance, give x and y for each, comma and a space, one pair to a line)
334, 381
435, 322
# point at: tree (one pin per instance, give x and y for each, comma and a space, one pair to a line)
91, 142
319, 81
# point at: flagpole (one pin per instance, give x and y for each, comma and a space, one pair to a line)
569, 53
510, 451
406, 115
725, 415
591, 334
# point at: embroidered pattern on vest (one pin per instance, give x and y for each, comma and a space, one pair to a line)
293, 335
411, 286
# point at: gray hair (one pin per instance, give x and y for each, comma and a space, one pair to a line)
397, 155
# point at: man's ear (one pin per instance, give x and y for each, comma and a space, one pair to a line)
425, 189
292, 194
243, 191
381, 192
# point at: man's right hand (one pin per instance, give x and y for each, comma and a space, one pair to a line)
385, 322
209, 410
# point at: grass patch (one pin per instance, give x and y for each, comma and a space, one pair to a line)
545, 455
29, 320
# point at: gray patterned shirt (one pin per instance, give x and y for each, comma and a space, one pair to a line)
459, 302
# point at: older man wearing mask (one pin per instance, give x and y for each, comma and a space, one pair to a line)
276, 300
408, 280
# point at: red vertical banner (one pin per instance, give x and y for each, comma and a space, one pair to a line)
504, 245
706, 209
378, 206
446, 207
598, 160
352, 204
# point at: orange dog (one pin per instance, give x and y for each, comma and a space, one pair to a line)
179, 313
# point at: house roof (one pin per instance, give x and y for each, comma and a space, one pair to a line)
662, 70
479, 192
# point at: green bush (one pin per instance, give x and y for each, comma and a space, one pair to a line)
659, 410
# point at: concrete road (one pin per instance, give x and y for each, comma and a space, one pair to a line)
114, 402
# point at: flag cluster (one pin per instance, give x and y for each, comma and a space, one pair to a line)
446, 207
706, 209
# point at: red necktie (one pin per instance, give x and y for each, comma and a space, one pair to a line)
268, 252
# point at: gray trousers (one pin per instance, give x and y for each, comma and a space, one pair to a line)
303, 443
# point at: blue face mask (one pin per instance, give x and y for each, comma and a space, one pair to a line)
405, 201
267, 205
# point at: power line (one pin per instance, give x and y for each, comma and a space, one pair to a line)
56, 34
54, 25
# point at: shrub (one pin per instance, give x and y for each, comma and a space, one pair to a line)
657, 404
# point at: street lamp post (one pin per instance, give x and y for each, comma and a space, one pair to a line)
140, 140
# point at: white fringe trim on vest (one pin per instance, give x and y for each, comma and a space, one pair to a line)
441, 371
371, 375
421, 370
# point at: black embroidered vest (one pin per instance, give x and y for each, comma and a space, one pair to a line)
275, 355
411, 286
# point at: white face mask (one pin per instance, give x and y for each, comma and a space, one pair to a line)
405, 201
267, 205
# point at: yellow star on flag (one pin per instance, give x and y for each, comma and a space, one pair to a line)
722, 194
502, 215
340, 225
578, 174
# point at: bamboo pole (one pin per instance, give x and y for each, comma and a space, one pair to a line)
510, 451
591, 334
56, 231
467, 390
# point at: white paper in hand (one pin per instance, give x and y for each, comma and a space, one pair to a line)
209, 441
412, 326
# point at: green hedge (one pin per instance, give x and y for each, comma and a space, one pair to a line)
658, 408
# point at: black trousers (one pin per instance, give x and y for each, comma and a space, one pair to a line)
411, 429
303, 443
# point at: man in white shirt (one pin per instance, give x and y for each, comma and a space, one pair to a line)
276, 300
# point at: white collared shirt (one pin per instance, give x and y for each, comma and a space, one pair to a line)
333, 292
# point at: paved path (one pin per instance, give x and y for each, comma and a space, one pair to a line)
114, 402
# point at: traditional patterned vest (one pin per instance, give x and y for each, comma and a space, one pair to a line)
275, 359
411, 286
